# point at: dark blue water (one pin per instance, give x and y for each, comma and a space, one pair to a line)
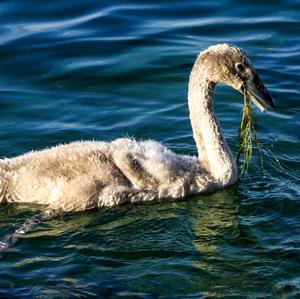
100, 70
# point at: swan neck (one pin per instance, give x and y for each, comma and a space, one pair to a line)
213, 150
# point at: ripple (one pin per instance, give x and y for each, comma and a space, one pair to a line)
46, 26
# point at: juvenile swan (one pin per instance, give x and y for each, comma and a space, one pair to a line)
84, 175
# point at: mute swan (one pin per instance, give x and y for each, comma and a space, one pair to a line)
84, 175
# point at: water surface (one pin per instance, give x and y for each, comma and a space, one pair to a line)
102, 70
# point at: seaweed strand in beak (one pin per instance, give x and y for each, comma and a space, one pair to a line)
247, 133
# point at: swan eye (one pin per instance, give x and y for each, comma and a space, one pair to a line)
240, 67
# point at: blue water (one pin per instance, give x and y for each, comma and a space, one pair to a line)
100, 70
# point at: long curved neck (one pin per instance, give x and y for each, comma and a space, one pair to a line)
212, 147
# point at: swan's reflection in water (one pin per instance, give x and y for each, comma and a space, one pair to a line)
214, 218
224, 245
149, 248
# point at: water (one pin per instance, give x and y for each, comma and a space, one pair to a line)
96, 70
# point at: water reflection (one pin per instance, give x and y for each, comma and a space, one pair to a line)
216, 219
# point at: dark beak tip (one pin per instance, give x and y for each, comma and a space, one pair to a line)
272, 103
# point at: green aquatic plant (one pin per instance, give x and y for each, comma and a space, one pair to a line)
247, 134
247, 137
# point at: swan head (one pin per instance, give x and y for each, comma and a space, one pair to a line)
229, 64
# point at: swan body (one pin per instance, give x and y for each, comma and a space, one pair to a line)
84, 175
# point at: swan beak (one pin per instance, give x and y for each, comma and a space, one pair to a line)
259, 94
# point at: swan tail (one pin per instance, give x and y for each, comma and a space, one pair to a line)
10, 240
